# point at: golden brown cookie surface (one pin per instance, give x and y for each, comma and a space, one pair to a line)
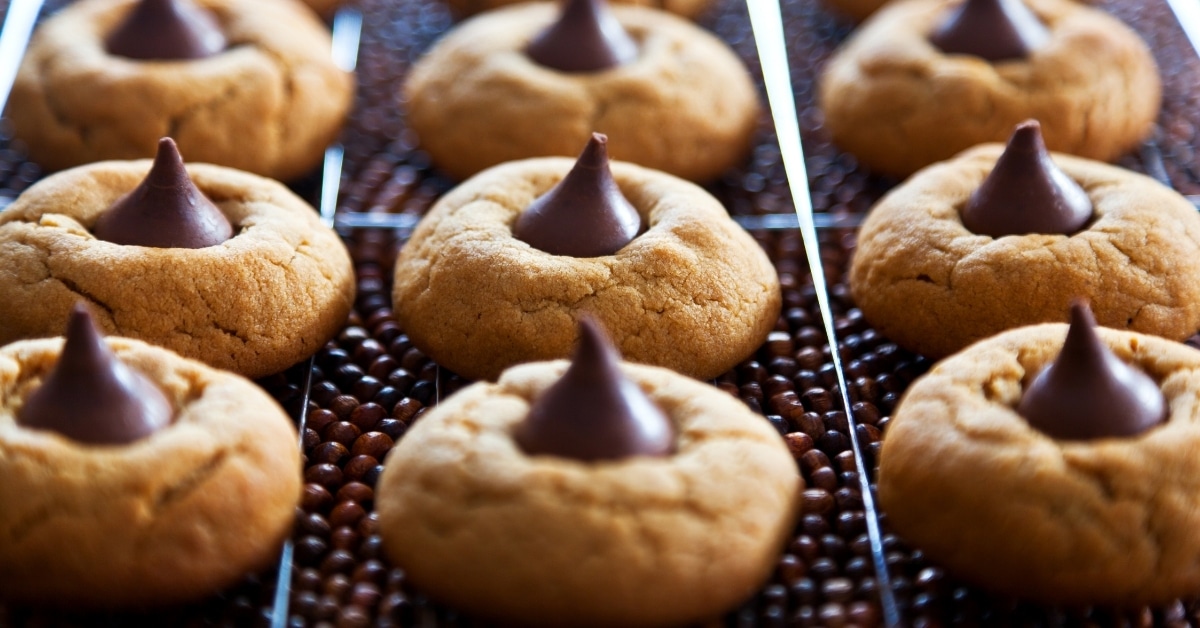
932, 286
693, 293
204, 501
476, 100
256, 304
968, 481
268, 104
634, 542
898, 103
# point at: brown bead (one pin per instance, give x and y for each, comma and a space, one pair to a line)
336, 586
342, 406
326, 475
343, 432
374, 444
862, 614
338, 561
331, 452
364, 594
319, 419
312, 523
817, 501
382, 366
824, 478
811, 424
406, 410
812, 460
355, 491
367, 416
798, 443
846, 461
358, 467
371, 571
315, 497
353, 617
346, 514
369, 525
344, 538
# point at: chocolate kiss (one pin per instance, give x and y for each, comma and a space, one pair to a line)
587, 37
92, 397
1087, 392
585, 215
165, 210
1026, 192
166, 30
594, 412
993, 29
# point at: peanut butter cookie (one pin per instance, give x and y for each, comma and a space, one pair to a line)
969, 480
926, 281
650, 539
205, 499
268, 102
693, 292
254, 303
684, 104
898, 103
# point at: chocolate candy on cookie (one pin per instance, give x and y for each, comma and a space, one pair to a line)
142, 463
501, 269
1001, 237
586, 38
1054, 463
166, 30
165, 210
995, 30
216, 264
240, 83
536, 80
91, 396
1088, 393
624, 495
593, 412
924, 80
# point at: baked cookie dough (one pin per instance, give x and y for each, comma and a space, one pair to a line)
204, 500
257, 303
966, 479
897, 103
269, 103
685, 8
693, 293
544, 540
928, 283
685, 105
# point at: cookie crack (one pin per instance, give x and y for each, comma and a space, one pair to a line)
88, 296
181, 489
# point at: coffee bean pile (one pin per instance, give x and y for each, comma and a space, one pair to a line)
370, 384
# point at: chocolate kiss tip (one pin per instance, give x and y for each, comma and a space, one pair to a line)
585, 215
586, 38
995, 30
165, 210
1087, 392
90, 396
166, 30
594, 412
1026, 192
